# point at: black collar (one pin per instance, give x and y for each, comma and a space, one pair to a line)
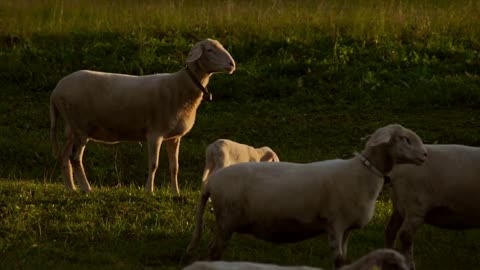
206, 95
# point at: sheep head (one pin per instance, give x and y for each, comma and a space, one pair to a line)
402, 144
211, 56
381, 259
269, 155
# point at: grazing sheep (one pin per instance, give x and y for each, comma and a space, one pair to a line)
443, 192
108, 107
288, 202
223, 153
382, 259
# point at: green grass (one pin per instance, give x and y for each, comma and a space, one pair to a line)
313, 77
44, 227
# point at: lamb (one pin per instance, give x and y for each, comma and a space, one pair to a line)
109, 107
223, 153
443, 193
382, 259
289, 202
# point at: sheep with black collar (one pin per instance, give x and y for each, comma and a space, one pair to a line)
110, 107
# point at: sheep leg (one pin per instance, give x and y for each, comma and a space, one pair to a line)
154, 144
78, 148
335, 242
406, 233
173, 146
197, 233
219, 243
393, 226
67, 172
346, 236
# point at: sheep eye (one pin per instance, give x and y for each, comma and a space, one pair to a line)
209, 50
407, 140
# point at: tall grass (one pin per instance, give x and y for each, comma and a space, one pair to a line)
371, 19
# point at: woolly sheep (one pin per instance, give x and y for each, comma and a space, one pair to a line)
109, 107
443, 192
383, 259
223, 153
289, 202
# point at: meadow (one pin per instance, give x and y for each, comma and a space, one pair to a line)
312, 79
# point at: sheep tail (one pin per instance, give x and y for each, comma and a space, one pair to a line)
197, 233
206, 172
208, 168
209, 163
53, 128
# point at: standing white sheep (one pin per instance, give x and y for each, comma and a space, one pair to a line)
289, 202
380, 259
223, 153
443, 192
109, 107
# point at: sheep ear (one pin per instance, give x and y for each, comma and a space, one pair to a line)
195, 53
267, 157
380, 137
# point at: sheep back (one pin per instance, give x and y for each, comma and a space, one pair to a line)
140, 104
273, 200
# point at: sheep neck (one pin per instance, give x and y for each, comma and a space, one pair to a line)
200, 78
369, 165
379, 158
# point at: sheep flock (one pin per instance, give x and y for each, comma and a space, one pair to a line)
250, 189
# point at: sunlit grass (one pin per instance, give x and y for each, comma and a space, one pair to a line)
45, 227
373, 19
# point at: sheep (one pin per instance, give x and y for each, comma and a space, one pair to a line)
110, 107
443, 192
382, 259
224, 265
288, 202
223, 153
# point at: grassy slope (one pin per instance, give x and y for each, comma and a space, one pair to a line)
312, 79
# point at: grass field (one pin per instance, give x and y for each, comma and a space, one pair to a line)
313, 77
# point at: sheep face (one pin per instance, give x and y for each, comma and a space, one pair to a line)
212, 56
409, 148
404, 145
